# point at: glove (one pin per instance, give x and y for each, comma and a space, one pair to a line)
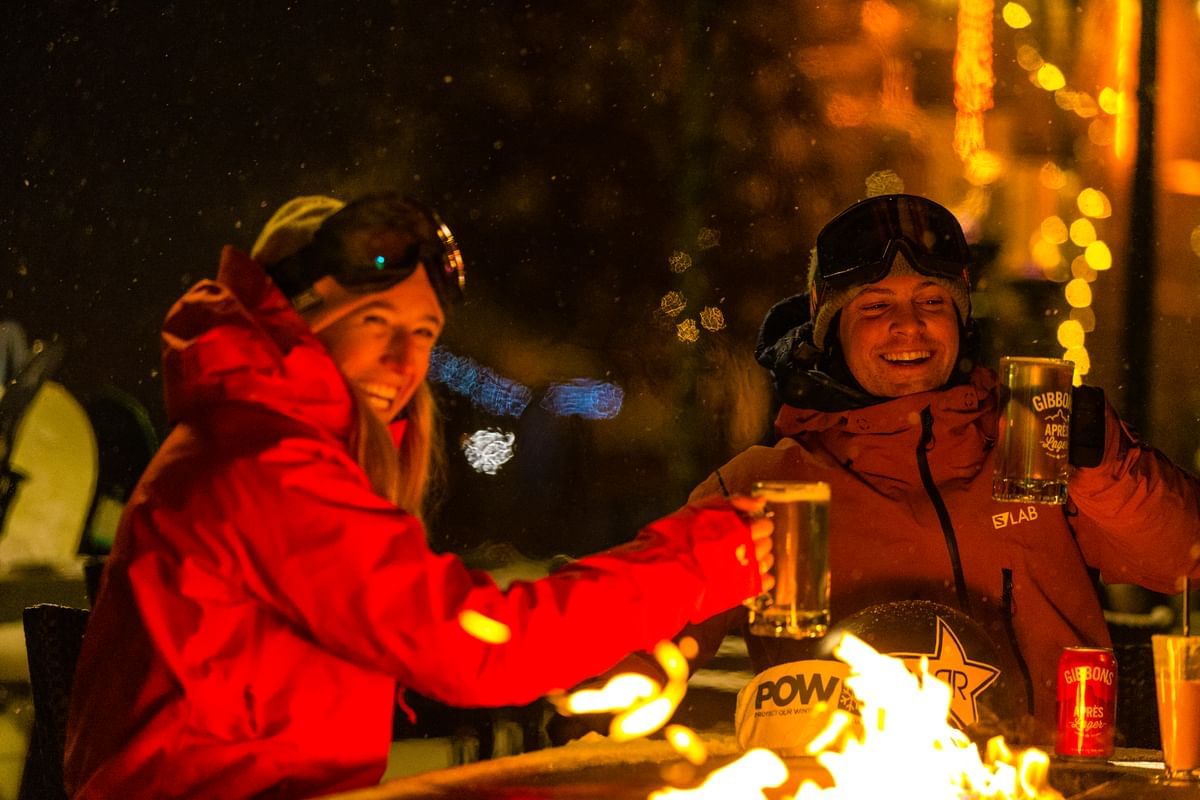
1087, 426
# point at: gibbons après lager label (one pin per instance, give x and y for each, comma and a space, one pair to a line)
1033, 439
1087, 702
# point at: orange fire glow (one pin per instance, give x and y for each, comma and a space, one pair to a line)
899, 745
641, 705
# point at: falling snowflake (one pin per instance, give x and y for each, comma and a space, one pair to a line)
672, 303
711, 319
687, 331
488, 450
885, 181
680, 261
708, 238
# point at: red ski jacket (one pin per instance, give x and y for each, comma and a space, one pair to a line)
896, 534
261, 602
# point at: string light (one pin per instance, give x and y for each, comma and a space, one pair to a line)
973, 75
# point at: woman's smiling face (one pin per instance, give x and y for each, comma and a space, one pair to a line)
383, 343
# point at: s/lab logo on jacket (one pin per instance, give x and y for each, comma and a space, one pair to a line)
784, 707
1026, 514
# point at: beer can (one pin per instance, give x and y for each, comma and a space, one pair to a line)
1087, 702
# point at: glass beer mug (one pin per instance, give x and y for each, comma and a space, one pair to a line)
798, 606
1032, 463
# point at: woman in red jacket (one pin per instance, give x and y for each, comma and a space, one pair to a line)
270, 582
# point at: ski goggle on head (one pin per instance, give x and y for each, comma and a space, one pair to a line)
370, 245
858, 246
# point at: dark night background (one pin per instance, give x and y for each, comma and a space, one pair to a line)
574, 151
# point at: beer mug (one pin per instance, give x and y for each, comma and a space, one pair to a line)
1035, 420
798, 606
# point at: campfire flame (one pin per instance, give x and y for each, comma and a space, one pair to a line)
687, 743
901, 745
903, 738
643, 705
743, 779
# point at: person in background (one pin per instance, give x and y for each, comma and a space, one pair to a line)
270, 581
882, 399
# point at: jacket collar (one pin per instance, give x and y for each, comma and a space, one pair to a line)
891, 416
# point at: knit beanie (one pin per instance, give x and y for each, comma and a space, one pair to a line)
292, 227
834, 302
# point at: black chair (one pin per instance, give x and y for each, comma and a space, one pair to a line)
53, 638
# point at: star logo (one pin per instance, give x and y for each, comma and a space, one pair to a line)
949, 662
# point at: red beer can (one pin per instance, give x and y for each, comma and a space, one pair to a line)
1087, 702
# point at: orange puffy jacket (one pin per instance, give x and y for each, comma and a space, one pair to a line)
912, 517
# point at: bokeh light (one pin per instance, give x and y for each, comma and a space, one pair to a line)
1070, 334
1054, 230
483, 387
1078, 293
672, 303
1050, 77
1015, 16
711, 319
687, 332
1083, 232
1045, 253
1080, 269
582, 397
1029, 58
1194, 240
1098, 256
1085, 317
884, 181
1083, 362
708, 238
679, 261
1051, 176
488, 450
1094, 203
1110, 100
1101, 132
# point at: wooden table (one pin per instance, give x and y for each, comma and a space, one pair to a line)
610, 771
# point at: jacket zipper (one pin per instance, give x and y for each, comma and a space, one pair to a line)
1006, 607
939, 505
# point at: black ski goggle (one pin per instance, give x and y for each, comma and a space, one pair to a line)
858, 246
372, 244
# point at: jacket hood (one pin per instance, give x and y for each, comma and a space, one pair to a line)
237, 340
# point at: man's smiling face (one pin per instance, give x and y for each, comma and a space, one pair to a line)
900, 335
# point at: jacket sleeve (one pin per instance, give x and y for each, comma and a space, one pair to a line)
356, 574
1138, 515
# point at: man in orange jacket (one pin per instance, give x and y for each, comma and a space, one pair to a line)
883, 400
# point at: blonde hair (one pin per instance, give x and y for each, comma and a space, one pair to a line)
409, 476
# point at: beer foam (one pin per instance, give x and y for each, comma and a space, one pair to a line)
791, 491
